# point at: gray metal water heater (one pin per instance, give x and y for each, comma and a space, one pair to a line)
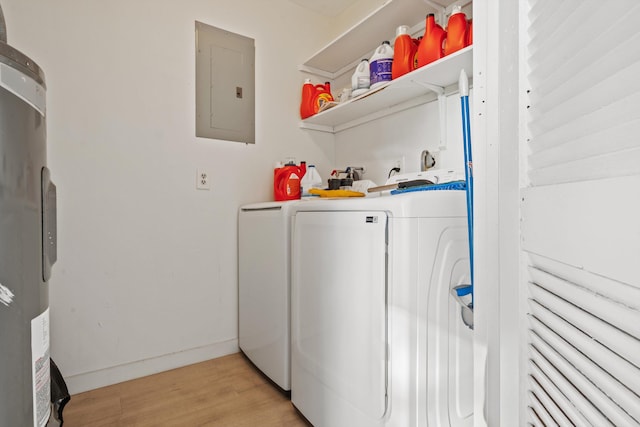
27, 242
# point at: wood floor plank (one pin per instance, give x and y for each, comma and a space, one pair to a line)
228, 391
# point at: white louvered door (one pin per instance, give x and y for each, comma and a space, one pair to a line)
580, 212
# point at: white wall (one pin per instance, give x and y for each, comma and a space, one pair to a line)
146, 277
403, 136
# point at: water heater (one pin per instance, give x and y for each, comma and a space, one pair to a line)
27, 245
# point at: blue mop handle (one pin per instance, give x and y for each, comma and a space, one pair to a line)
463, 87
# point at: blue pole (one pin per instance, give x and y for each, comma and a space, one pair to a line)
463, 85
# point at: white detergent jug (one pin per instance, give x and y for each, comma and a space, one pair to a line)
360, 79
380, 65
311, 179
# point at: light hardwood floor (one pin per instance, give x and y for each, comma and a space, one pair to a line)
228, 391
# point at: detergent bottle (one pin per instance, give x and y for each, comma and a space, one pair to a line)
404, 52
416, 43
311, 179
380, 65
308, 91
430, 48
456, 31
286, 181
360, 80
321, 95
470, 32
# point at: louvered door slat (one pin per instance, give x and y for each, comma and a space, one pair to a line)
541, 410
616, 366
550, 95
549, 405
616, 340
601, 306
545, 49
571, 412
567, 53
624, 293
535, 419
600, 384
547, 117
577, 399
563, 148
599, 121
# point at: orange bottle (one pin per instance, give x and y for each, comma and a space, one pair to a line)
470, 32
456, 32
404, 52
286, 181
416, 42
430, 48
308, 91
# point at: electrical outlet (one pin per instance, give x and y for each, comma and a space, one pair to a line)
359, 166
202, 180
399, 163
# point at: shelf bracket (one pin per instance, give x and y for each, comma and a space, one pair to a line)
441, 10
442, 110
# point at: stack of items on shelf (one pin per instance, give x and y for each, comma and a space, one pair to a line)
388, 63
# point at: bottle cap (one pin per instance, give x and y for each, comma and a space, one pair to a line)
402, 29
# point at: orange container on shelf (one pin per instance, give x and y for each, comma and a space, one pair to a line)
456, 32
286, 181
308, 91
430, 48
470, 32
416, 43
404, 52
314, 97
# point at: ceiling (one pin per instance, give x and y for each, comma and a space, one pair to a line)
326, 7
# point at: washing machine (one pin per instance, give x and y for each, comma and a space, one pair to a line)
377, 339
264, 287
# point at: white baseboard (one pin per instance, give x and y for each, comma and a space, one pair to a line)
117, 374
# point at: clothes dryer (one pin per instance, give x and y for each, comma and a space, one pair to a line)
370, 283
264, 287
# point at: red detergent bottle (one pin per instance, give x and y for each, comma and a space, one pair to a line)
416, 43
308, 92
286, 181
456, 32
404, 52
430, 48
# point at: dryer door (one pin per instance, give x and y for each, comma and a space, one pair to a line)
339, 326
447, 370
